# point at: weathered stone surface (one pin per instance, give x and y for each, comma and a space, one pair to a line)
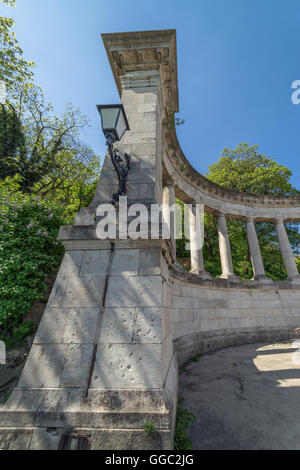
44, 366
140, 291
128, 366
71, 263
17, 439
104, 192
52, 326
117, 325
95, 263
150, 262
81, 325
148, 326
77, 365
84, 291
145, 191
45, 439
85, 216
125, 262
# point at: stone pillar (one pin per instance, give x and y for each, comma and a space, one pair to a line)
256, 259
102, 362
169, 202
287, 253
197, 266
225, 252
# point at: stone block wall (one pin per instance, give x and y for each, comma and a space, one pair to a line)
210, 315
102, 361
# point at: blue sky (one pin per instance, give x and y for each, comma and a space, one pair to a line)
237, 60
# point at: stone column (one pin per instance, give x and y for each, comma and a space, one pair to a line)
169, 202
225, 252
197, 266
256, 259
287, 252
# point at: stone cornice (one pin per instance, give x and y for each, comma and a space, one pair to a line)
197, 184
146, 50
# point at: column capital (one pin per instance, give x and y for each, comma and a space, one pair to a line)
220, 215
168, 181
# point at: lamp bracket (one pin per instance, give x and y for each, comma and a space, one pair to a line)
121, 162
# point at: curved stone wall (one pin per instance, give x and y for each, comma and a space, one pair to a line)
210, 315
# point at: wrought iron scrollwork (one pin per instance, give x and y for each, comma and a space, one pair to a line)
121, 164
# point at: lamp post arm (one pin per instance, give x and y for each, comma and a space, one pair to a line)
121, 164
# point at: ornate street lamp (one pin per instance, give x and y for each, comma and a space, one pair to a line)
114, 124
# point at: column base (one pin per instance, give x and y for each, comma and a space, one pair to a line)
231, 277
201, 274
263, 279
294, 280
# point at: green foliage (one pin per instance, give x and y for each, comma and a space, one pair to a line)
13, 67
52, 161
184, 419
54, 155
24, 329
47, 173
244, 169
181, 243
149, 426
28, 253
10, 3
11, 140
9, 394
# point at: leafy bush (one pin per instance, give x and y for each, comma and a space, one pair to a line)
183, 421
28, 253
149, 426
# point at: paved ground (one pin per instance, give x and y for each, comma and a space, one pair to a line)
245, 397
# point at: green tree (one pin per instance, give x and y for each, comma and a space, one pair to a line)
44, 149
52, 161
28, 253
54, 151
11, 140
245, 169
13, 67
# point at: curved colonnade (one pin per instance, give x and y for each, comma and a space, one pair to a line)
191, 187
